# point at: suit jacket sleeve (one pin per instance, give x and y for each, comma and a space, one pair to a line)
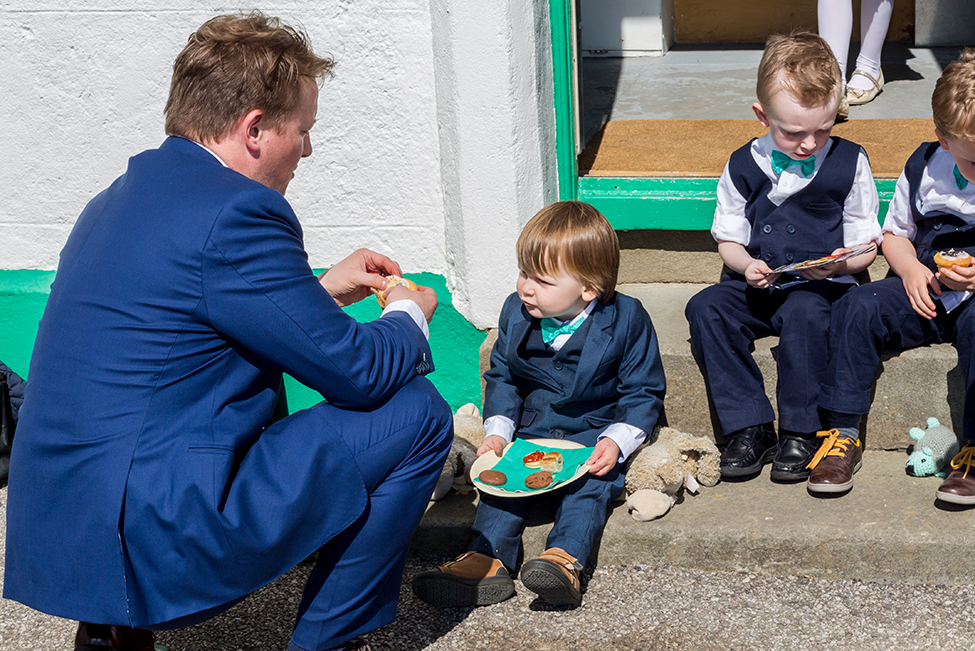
642, 384
501, 395
260, 291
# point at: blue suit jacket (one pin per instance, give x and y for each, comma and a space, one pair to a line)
181, 296
619, 377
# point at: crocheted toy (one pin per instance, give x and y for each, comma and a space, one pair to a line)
659, 470
468, 436
934, 448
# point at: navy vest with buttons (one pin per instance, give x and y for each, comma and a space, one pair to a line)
808, 224
936, 230
544, 414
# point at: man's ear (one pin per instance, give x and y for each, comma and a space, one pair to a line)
942, 141
251, 130
760, 114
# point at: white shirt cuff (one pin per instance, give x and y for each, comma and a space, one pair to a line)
500, 426
627, 437
411, 308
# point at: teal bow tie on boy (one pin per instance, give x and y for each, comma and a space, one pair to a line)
551, 329
781, 161
960, 180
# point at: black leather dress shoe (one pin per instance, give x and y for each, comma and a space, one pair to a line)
793, 455
747, 450
98, 637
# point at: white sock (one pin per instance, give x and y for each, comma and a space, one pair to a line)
874, 21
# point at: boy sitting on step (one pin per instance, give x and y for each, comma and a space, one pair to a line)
574, 360
793, 195
932, 212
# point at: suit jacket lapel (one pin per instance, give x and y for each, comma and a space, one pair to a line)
595, 346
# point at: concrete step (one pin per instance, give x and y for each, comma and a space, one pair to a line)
911, 385
888, 528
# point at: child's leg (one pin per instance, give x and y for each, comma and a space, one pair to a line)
498, 525
874, 21
724, 321
835, 19
963, 338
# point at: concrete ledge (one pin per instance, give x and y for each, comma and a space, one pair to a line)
887, 529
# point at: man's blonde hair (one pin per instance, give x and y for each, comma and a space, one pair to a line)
571, 237
953, 101
809, 71
233, 65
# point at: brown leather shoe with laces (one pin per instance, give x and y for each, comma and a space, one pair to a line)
554, 577
959, 487
471, 579
833, 467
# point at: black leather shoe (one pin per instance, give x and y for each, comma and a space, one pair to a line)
747, 450
98, 637
792, 456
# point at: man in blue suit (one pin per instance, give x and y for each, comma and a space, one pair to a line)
148, 487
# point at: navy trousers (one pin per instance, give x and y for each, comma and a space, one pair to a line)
400, 448
726, 319
581, 511
877, 316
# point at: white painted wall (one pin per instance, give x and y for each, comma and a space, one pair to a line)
434, 142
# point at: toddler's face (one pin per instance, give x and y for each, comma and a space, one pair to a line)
963, 151
796, 129
561, 296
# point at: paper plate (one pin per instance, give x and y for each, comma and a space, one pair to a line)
489, 460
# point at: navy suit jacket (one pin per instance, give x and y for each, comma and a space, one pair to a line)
182, 295
619, 377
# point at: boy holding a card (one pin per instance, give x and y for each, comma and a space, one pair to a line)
792, 195
931, 216
575, 361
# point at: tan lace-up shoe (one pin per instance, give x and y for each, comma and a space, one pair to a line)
554, 577
833, 467
471, 579
959, 487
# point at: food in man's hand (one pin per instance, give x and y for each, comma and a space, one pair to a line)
952, 258
533, 459
492, 478
538, 480
551, 462
392, 281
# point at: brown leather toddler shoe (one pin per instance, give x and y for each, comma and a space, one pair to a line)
471, 579
959, 487
833, 467
554, 577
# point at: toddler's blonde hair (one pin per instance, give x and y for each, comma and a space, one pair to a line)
802, 64
571, 237
953, 101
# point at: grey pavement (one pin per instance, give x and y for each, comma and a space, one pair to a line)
745, 565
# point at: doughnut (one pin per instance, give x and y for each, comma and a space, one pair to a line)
533, 459
551, 462
492, 478
538, 480
948, 259
392, 281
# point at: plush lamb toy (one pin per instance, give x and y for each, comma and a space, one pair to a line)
468, 436
659, 470
935, 447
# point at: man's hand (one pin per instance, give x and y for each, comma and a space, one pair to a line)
603, 457
917, 279
958, 278
424, 297
353, 279
492, 443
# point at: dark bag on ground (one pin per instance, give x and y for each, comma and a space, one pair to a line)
7, 426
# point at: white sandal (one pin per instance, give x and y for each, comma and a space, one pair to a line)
857, 96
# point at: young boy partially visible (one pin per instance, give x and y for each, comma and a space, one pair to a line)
933, 210
792, 195
574, 360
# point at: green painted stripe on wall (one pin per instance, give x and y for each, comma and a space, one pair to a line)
455, 342
669, 203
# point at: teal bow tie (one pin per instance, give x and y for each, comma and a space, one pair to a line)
960, 180
551, 329
781, 161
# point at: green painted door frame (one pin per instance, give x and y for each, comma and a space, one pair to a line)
630, 203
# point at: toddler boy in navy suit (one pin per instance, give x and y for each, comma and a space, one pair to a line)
933, 211
792, 195
574, 360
